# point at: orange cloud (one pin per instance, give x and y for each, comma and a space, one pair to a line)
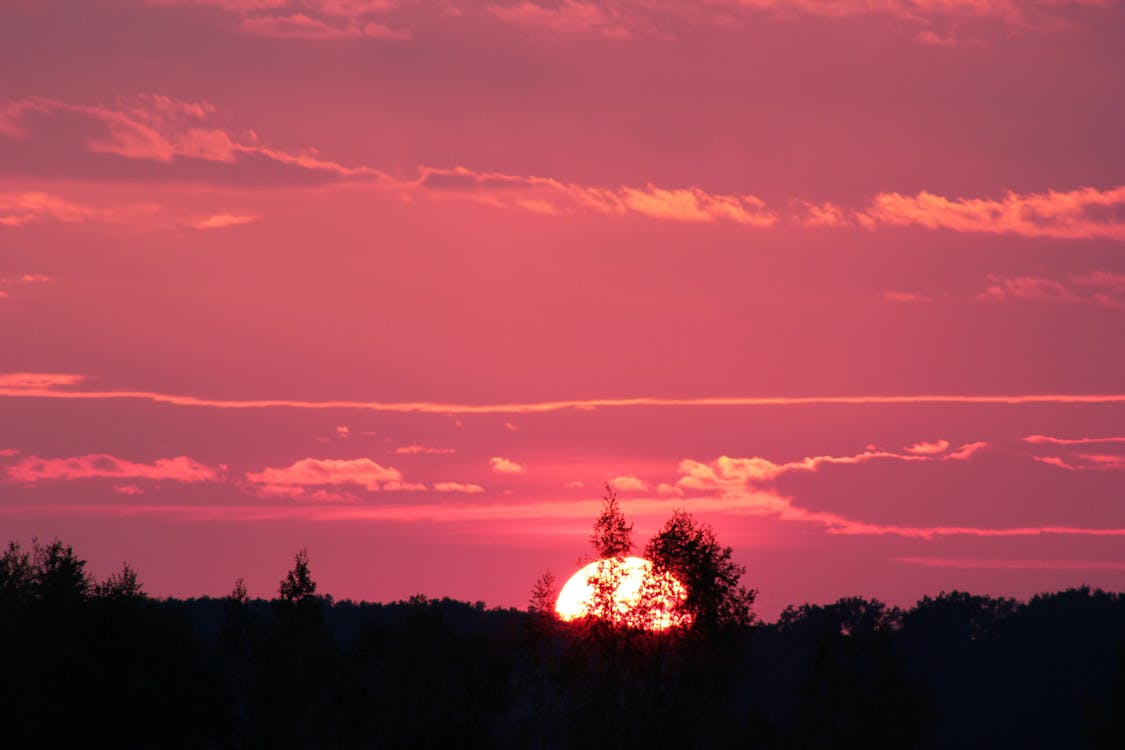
505, 466
471, 489
628, 483
97, 465
1048, 440
313, 472
163, 130
679, 204
694, 204
220, 221
1099, 288
744, 484
825, 215
182, 139
928, 449
1085, 213
1085, 462
17, 209
35, 380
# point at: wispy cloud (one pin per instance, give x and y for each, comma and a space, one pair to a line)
175, 137
17, 209
747, 486
221, 221
471, 489
1011, 564
37, 380
569, 17
415, 450
185, 141
1079, 453
28, 279
20, 209
1084, 213
905, 297
1085, 462
1049, 440
617, 20
100, 465
56, 386
1099, 288
302, 26
692, 204
316, 20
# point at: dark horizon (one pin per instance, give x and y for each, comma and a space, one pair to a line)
302, 670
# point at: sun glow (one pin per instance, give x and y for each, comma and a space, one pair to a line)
626, 591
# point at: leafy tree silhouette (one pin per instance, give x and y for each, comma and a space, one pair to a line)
59, 577
297, 671
16, 575
235, 662
690, 552
122, 585
649, 686
298, 586
543, 595
612, 540
612, 536
238, 593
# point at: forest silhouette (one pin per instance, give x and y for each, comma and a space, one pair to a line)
101, 664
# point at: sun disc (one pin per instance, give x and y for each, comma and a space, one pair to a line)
626, 591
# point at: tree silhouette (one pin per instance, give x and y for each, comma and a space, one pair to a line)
224, 673
238, 593
298, 585
857, 692
16, 575
121, 585
612, 537
690, 552
295, 669
59, 577
543, 595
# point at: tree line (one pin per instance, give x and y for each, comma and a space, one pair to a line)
100, 663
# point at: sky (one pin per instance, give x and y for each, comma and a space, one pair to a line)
408, 282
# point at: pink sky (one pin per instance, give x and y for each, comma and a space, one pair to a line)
405, 282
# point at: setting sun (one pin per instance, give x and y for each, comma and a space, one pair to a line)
627, 591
